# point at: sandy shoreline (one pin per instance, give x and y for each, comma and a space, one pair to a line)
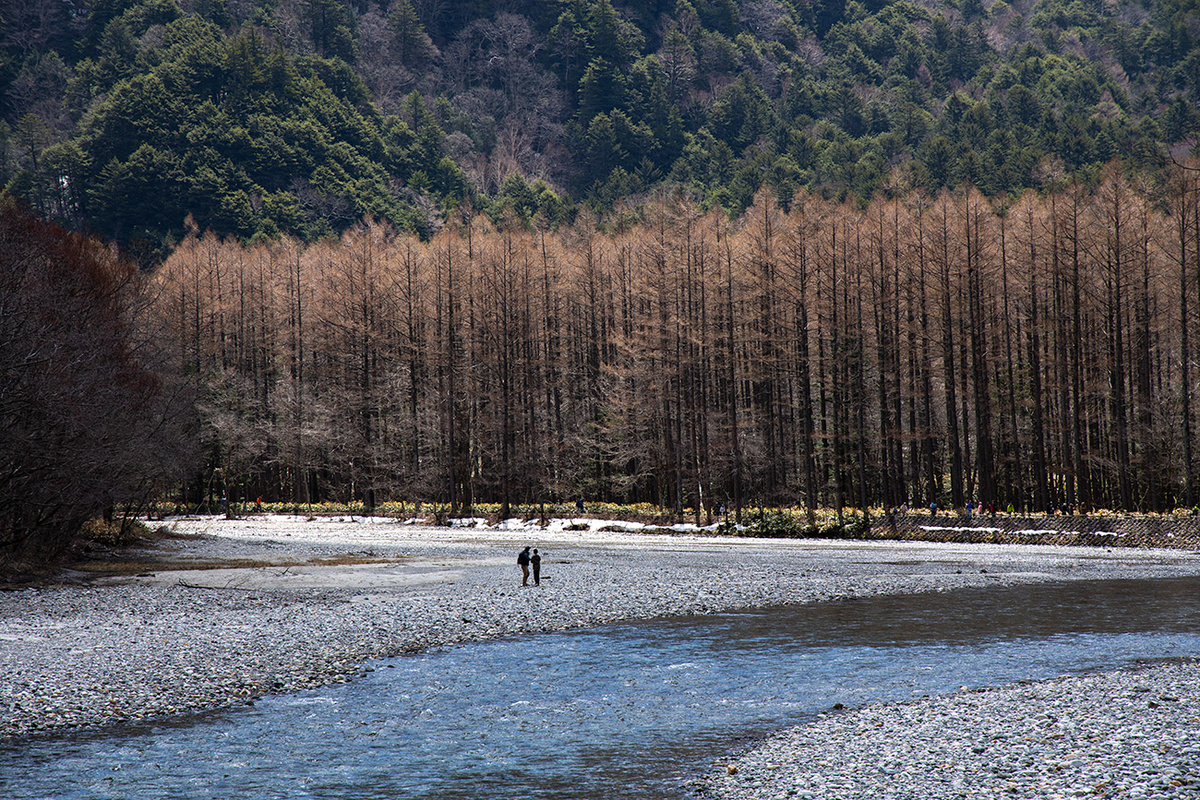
225, 611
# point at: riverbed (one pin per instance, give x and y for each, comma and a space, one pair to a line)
230, 611
631, 710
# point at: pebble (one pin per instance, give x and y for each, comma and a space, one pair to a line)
932, 747
91, 654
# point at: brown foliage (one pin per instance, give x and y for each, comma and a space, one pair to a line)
920, 350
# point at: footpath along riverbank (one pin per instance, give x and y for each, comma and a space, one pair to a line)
222, 611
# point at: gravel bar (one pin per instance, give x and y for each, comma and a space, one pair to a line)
220, 612
1130, 734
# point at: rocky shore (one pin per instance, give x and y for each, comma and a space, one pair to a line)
1131, 734
220, 612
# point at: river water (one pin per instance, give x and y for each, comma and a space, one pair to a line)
625, 711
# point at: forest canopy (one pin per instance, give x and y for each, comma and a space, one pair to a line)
302, 117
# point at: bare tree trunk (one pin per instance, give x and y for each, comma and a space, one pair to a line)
948, 362
933, 485
733, 379
1082, 473
1014, 471
1115, 257
979, 349
1148, 456
800, 274
1185, 202
1062, 358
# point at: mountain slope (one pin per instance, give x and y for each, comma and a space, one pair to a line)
302, 116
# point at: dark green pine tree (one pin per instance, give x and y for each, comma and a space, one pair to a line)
331, 25
411, 44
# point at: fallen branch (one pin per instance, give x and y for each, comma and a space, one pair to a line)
187, 585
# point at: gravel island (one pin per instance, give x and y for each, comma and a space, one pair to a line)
217, 612
1131, 733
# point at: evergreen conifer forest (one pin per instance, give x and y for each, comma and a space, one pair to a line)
302, 117
692, 253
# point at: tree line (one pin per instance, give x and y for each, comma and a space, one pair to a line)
1037, 351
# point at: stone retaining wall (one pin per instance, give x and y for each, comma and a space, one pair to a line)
1079, 529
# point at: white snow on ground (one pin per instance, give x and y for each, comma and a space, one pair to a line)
582, 524
957, 530
1022, 532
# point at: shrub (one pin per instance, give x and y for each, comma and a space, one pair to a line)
85, 422
118, 533
768, 524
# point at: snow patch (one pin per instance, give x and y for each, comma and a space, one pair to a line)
966, 529
579, 525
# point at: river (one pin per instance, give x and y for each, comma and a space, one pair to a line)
631, 710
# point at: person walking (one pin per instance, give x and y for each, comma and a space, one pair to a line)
535, 561
523, 562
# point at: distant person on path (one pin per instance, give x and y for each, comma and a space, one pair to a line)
536, 562
933, 509
523, 561
579, 505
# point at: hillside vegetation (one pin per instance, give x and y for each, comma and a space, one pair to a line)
261, 117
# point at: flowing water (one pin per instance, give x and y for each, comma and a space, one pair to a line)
625, 711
